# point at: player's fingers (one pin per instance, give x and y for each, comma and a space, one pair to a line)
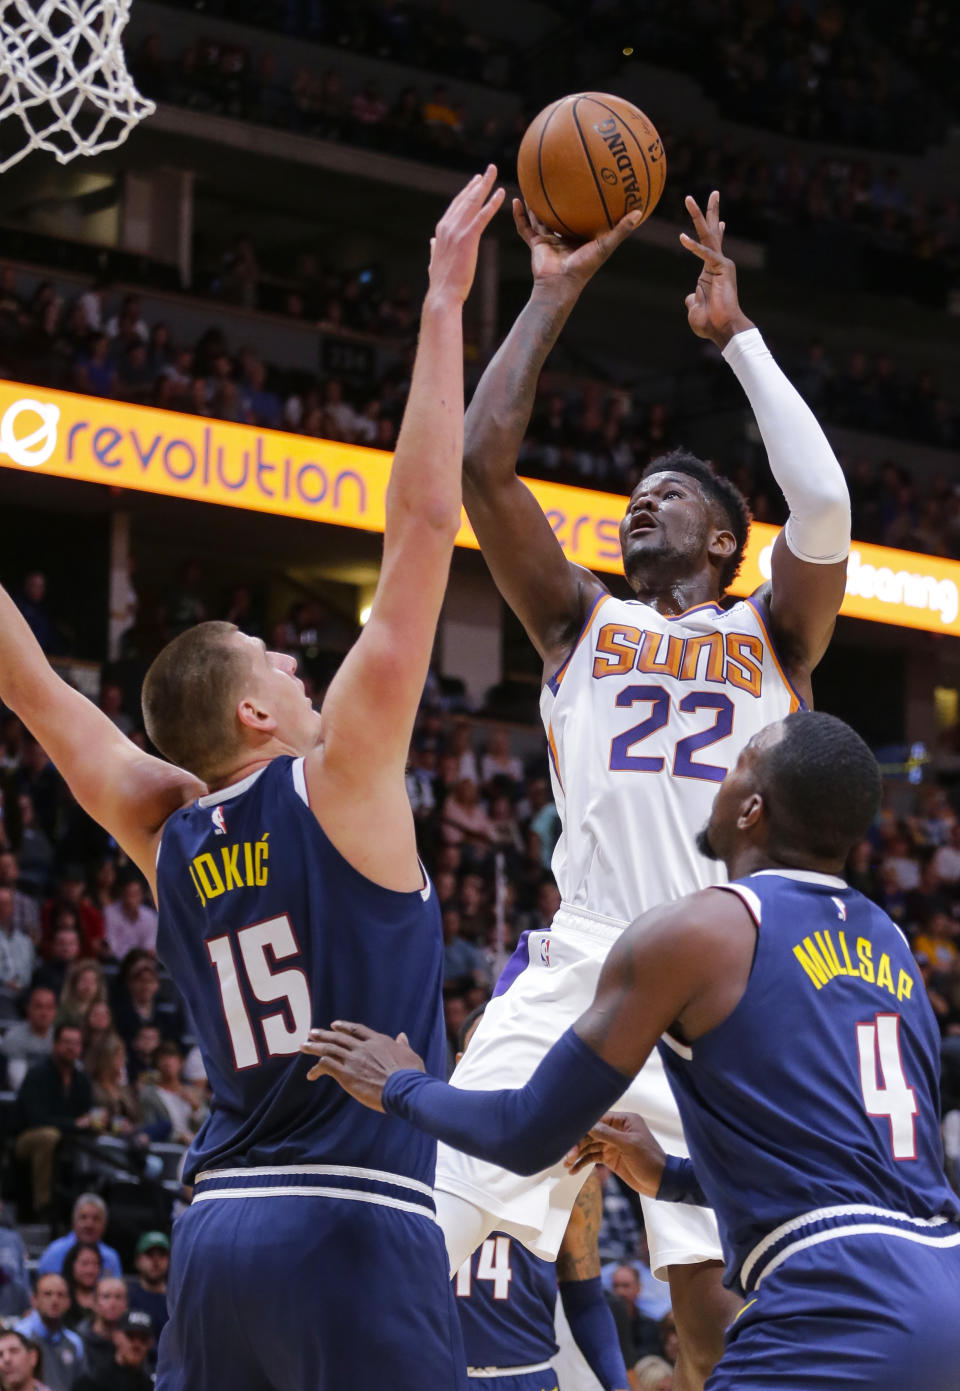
327, 1066
707, 254
402, 1038
485, 214
713, 211
521, 221
627, 224
696, 216
345, 1026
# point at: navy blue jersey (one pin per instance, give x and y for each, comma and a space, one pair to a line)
506, 1298
818, 1098
267, 930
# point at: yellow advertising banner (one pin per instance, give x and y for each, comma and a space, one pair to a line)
187, 456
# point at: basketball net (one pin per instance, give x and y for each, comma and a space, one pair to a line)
64, 85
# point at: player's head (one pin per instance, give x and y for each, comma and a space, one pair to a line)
682, 518
215, 698
803, 792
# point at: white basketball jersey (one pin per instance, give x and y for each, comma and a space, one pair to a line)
644, 720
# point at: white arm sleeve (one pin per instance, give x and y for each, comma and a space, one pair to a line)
801, 460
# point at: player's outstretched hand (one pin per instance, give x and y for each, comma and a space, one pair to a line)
359, 1059
713, 310
625, 1145
453, 247
566, 262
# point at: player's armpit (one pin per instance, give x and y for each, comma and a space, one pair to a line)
803, 600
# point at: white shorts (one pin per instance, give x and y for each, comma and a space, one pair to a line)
554, 986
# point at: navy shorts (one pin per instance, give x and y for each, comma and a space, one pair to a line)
545, 1380
308, 1293
876, 1312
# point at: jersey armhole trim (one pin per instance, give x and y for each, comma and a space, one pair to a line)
553, 682
748, 897
797, 701
300, 781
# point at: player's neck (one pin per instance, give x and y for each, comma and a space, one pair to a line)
254, 761
674, 596
753, 858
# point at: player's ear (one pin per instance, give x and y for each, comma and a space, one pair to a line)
722, 544
252, 714
751, 810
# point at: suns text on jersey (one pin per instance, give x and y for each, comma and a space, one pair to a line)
736, 658
824, 960
239, 866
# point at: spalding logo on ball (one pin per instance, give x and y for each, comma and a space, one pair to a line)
587, 160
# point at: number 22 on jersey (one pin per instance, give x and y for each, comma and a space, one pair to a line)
259, 947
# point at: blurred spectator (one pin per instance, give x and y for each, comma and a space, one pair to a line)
31, 1040
83, 986
17, 957
64, 951
116, 1103
638, 1334
71, 892
129, 922
54, 1100
14, 1277
936, 942
136, 1001
35, 850
619, 1235
97, 1025
82, 1268
62, 1350
133, 1340
97, 1330
88, 1223
20, 1362
142, 1057
33, 604
26, 915
165, 1096
652, 1373
147, 1290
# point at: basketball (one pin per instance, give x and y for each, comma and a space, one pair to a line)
588, 159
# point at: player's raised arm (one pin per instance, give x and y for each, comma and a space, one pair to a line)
550, 596
662, 971
810, 554
127, 791
369, 711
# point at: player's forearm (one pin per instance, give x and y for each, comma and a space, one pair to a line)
527, 1129
425, 481
801, 459
594, 1331
499, 414
25, 673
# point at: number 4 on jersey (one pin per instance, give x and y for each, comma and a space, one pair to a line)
878, 1045
285, 1029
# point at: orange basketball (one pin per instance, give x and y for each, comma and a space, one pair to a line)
588, 159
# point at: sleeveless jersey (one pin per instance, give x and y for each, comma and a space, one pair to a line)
816, 1104
643, 720
506, 1298
266, 931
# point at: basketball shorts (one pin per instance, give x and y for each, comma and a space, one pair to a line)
547, 984
307, 1291
876, 1312
540, 1378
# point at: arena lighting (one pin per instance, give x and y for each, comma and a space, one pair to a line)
125, 446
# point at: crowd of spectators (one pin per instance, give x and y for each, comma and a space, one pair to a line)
594, 435
905, 243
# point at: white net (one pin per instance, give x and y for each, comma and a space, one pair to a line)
64, 85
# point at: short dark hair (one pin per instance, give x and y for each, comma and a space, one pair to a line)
187, 698
721, 493
28, 1344
821, 787
63, 1024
